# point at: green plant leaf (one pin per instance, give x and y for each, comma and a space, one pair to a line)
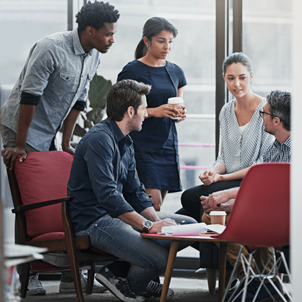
97, 93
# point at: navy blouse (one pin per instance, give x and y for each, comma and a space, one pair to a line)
156, 145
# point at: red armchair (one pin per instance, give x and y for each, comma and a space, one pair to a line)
39, 191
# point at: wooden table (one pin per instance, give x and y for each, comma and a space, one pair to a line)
172, 255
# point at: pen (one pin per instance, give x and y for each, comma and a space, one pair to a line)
180, 222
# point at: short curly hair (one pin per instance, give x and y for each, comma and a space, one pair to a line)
124, 94
96, 14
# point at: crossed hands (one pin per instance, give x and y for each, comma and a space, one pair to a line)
214, 202
10, 154
209, 176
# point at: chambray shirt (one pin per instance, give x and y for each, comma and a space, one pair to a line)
279, 153
103, 178
59, 71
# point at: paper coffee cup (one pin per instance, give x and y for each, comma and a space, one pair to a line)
218, 217
176, 100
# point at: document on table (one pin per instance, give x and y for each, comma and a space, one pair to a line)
185, 229
193, 229
217, 228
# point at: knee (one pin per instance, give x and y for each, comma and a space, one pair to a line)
185, 197
190, 200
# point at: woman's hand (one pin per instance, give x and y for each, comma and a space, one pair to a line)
181, 113
168, 110
208, 177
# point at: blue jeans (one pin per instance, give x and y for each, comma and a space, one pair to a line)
148, 257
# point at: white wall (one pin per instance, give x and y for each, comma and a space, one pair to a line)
296, 173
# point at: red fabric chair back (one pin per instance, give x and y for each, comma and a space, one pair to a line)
43, 176
261, 213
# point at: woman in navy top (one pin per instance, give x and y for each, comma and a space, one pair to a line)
156, 145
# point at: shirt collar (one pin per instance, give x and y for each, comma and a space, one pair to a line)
123, 141
287, 143
78, 48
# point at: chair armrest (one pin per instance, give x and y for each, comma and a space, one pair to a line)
37, 205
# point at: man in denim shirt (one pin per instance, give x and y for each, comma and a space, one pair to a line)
51, 91
276, 118
53, 86
111, 206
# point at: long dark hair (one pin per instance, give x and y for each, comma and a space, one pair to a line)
152, 27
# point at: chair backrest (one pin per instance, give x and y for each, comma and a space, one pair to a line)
261, 213
42, 176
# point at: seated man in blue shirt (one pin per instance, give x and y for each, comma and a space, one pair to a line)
276, 118
110, 204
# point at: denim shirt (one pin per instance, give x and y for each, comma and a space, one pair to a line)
279, 153
103, 178
58, 70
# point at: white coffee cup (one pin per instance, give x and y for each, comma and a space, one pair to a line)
218, 217
176, 100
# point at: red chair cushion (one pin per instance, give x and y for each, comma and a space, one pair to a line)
40, 266
50, 236
43, 176
99, 251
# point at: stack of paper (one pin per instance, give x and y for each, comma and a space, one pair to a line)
185, 229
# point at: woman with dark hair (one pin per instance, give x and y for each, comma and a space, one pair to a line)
242, 137
156, 145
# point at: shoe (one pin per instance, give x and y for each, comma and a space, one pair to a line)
201, 271
118, 286
263, 294
235, 292
252, 289
234, 285
34, 288
68, 287
153, 291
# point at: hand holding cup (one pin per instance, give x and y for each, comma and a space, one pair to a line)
178, 102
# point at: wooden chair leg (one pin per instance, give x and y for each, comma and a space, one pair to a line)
74, 267
24, 279
90, 280
211, 275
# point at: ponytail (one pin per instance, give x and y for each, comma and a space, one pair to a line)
153, 27
140, 50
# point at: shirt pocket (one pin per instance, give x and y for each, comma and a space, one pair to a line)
64, 82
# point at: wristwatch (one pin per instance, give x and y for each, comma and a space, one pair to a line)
147, 225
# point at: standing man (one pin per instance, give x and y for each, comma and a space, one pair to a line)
51, 91
111, 206
276, 118
53, 86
